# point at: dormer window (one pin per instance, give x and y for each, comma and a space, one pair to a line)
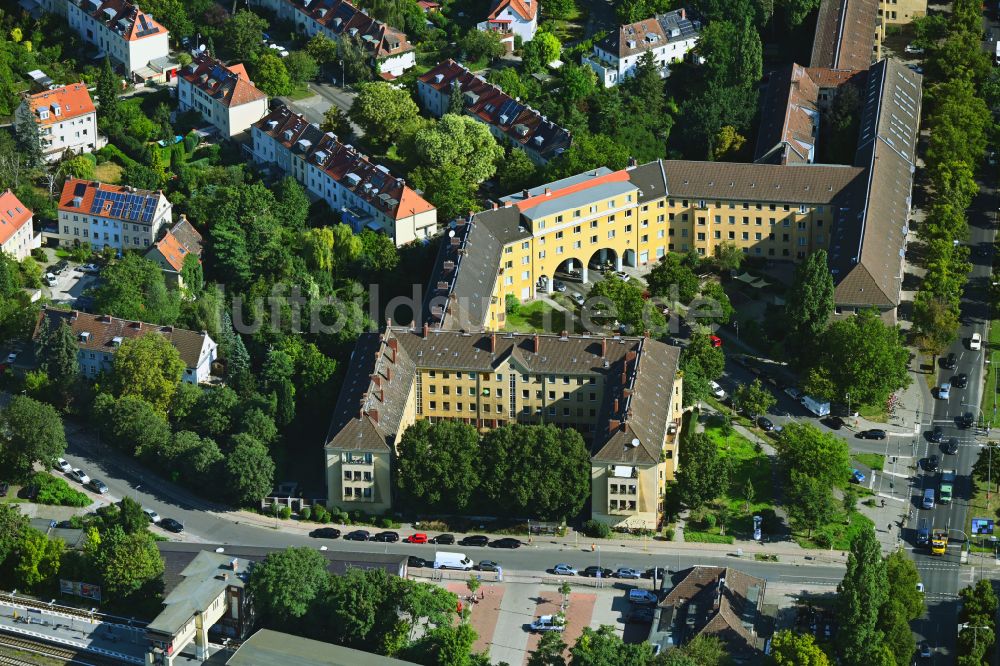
57, 110
116, 341
85, 336
43, 114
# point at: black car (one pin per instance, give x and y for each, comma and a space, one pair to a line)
950, 361
487, 565
966, 420
951, 446
655, 572
325, 533
931, 463
833, 422
474, 540
874, 433
171, 525
29, 492
60, 266
961, 380
444, 539
765, 424
357, 535
936, 436
593, 572
506, 542
414, 561
387, 537
640, 615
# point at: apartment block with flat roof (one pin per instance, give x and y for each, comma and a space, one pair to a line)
623, 394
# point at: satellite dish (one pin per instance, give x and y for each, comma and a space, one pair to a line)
202, 48
220, 549
635, 442
451, 233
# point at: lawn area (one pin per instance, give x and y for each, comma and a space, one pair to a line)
873, 413
980, 507
109, 172
301, 91
748, 466
990, 396
841, 533
539, 317
875, 461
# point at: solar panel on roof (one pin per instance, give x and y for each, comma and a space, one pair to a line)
79, 190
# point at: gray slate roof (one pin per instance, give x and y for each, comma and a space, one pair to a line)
273, 648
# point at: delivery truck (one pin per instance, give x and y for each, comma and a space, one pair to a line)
947, 481
817, 407
446, 560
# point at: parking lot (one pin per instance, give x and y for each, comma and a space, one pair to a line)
70, 285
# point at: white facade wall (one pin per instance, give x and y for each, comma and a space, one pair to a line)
132, 55
20, 244
229, 120
518, 25
78, 227
78, 134
92, 363
612, 70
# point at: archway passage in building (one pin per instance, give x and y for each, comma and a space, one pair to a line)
605, 259
571, 270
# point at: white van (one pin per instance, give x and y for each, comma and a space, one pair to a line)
446, 560
928, 502
548, 623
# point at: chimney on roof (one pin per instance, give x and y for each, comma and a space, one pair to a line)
235, 564
393, 344
427, 329
683, 14
373, 415
381, 395
361, 412
615, 410
632, 163
548, 191
630, 355
536, 343
624, 377
376, 380
507, 204
493, 342
524, 194
614, 425
495, 206
388, 373
626, 392
604, 347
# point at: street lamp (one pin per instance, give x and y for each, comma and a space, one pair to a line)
343, 83
975, 631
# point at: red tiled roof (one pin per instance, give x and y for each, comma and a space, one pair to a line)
86, 190
71, 101
525, 8
230, 85
177, 243
13, 215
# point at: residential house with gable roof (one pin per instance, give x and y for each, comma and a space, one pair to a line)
66, 119
510, 121
122, 31
98, 338
669, 37
173, 248
17, 234
366, 194
389, 52
224, 96
512, 18
116, 216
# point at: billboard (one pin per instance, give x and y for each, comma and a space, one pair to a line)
982, 526
78, 589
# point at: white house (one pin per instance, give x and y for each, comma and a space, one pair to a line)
367, 195
513, 18
98, 337
224, 96
389, 52
16, 228
66, 119
117, 216
120, 30
668, 37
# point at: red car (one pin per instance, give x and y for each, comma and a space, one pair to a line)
419, 537
715, 340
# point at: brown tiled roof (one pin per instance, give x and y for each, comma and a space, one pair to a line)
375, 183
789, 120
728, 610
845, 34
805, 184
103, 330
229, 85
519, 122
372, 400
341, 17
177, 243
13, 215
71, 101
825, 77
123, 17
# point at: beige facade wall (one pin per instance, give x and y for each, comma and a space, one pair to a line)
631, 502
902, 11
370, 484
415, 227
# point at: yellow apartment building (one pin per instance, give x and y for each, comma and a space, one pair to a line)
622, 394
902, 11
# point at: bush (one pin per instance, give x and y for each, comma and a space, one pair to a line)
318, 513
511, 304
305, 513
669, 533
707, 537
55, 491
38, 254
596, 529
285, 513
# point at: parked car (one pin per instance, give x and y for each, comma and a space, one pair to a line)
506, 542
916, 68
655, 572
11, 358
358, 535
559, 286
98, 486
925, 650
90, 268
80, 476
913, 50
625, 277
325, 533
640, 615
152, 515
642, 597
857, 476
596, 572
833, 422
874, 433
961, 380
936, 436
63, 465
548, 623
171, 525
627, 572
765, 424
474, 540
487, 565
419, 562
564, 570
718, 391
418, 537
444, 539
951, 446
976, 342
28, 492
386, 537
950, 362
944, 391
931, 463
579, 299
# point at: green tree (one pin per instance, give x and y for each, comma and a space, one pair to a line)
128, 563
335, 120
810, 502
462, 142
701, 363
352, 56
703, 474
27, 139
250, 470
809, 303
192, 458
192, 275
77, 167
148, 367
382, 110
245, 34
322, 49
713, 306
38, 558
30, 432
437, 465
936, 322
728, 256
131, 516
628, 307
792, 649
301, 67
864, 357
588, 151
516, 171
753, 398
108, 89
12, 524
57, 353
286, 584
540, 51
860, 596
132, 424
447, 188
806, 449
481, 45
549, 651
672, 278
272, 76
133, 288
603, 647
378, 252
